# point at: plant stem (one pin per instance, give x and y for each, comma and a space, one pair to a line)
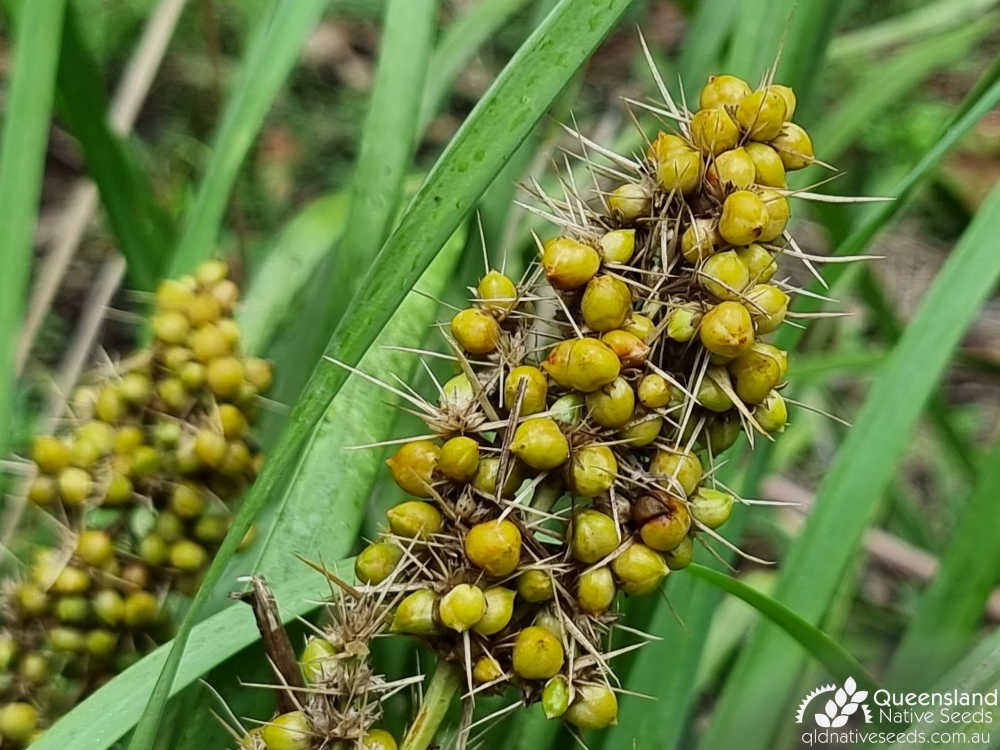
437, 700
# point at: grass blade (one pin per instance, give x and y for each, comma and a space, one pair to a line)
27, 109
848, 497
515, 102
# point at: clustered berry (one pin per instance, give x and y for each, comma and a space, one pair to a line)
140, 485
572, 460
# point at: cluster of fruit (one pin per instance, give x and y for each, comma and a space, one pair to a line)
140, 486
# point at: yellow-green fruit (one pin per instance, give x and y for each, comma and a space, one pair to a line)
618, 245
612, 405
497, 293
71, 609
208, 343
592, 536
458, 392
679, 470
788, 95
172, 295
768, 306
794, 146
187, 500
226, 293
211, 528
630, 349
50, 453
639, 570
667, 523
595, 590
593, 470
108, 606
778, 212
711, 507
412, 467
724, 275
643, 431
768, 167
555, 697
713, 131
175, 356
18, 722
771, 413
415, 614
462, 607
211, 272
459, 458
535, 586
640, 326
83, 453
203, 308
290, 731
757, 371
713, 393
535, 390
727, 329
75, 485
101, 643
233, 423
376, 562
595, 707
224, 376
759, 262
654, 391
173, 393
606, 303
629, 201
761, 114
237, 461
538, 654
259, 373
733, 169
94, 547
682, 323
169, 526
494, 546
540, 443
153, 550
378, 739
128, 438
485, 479
188, 556
569, 263
65, 639
33, 668
583, 364
43, 490
8, 651
680, 556
678, 166
170, 326
414, 519
722, 91
477, 332
744, 216
499, 610
141, 609
699, 240
486, 669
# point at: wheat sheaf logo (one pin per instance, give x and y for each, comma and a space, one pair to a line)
839, 708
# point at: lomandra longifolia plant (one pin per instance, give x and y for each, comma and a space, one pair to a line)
571, 461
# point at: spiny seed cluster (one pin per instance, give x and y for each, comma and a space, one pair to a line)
140, 485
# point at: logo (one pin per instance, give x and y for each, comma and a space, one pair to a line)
840, 707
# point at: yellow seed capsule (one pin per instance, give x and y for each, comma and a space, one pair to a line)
680, 556
538, 654
486, 669
226, 293
170, 327
733, 169
595, 707
18, 722
761, 114
759, 261
757, 371
234, 423
494, 546
458, 393
618, 245
699, 240
713, 131
768, 306
50, 453
664, 519
187, 500
639, 570
95, 547
43, 490
631, 350
612, 405
110, 405
376, 562
211, 272
140, 609
640, 326
743, 219
497, 293
477, 332
208, 343
415, 614
535, 586
499, 610
593, 470
172, 295
569, 263
412, 467
768, 167
724, 90
643, 431
259, 373
318, 660
290, 731
592, 536
535, 391
778, 212
724, 275
788, 96
485, 479
712, 507
678, 166
595, 590
678, 470
540, 444
414, 519
727, 329
590, 365
654, 391
188, 556
629, 201
83, 453
210, 447
75, 485
203, 308
682, 324
459, 458
712, 393
606, 303
462, 607
378, 739
793, 146
224, 376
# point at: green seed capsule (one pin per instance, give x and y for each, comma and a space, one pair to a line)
174, 394
153, 550
595, 590
84, 453
639, 570
209, 343
65, 639
458, 393
699, 240
592, 536
415, 519
233, 422
462, 607
169, 526
712, 507
654, 391
680, 556
8, 651
759, 262
187, 500
778, 212
141, 609
618, 245
109, 607
733, 169
568, 263
535, 390
224, 376
768, 167
415, 614
538, 655
724, 275
643, 430
535, 586
678, 166
593, 470
744, 216
290, 731
629, 201
722, 91
486, 669
75, 485
547, 620
43, 490
768, 306
497, 293
72, 609
31, 599
378, 739
412, 467
757, 371
485, 480
595, 707
18, 722
499, 609
318, 661
376, 562
678, 470
794, 146
494, 546
712, 393
33, 668
612, 405
788, 95
713, 131
629, 348
540, 444
459, 458
101, 643
727, 329
665, 521
100, 434
606, 303
259, 373
761, 114
95, 547
477, 332
771, 413
555, 697
682, 324
188, 556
